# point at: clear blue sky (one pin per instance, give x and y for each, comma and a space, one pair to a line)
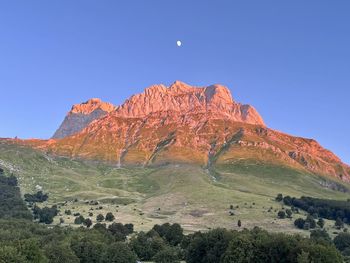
290, 59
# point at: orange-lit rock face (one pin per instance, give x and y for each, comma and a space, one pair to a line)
184, 124
182, 98
81, 115
92, 105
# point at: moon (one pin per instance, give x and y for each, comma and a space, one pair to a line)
178, 43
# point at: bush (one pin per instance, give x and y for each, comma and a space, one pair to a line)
109, 217
279, 198
339, 223
79, 220
100, 218
289, 213
320, 236
299, 223
87, 222
39, 197
281, 214
342, 241
311, 221
46, 214
320, 222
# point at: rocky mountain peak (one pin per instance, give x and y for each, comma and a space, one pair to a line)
218, 93
213, 101
186, 99
92, 105
82, 115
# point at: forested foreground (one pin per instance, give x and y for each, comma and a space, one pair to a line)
24, 241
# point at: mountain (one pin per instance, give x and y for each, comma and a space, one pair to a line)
82, 115
182, 124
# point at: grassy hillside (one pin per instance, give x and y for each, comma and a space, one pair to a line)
196, 198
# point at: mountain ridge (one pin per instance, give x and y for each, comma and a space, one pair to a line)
196, 125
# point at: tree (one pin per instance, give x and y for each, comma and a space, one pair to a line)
339, 223
239, 223
167, 255
100, 218
109, 217
130, 228
174, 235
146, 246
320, 222
46, 214
118, 253
320, 236
208, 247
68, 212
306, 226
279, 198
9, 254
118, 231
31, 250
58, 253
311, 221
88, 250
289, 213
303, 257
287, 200
281, 214
342, 241
100, 227
299, 223
79, 220
87, 222
240, 249
39, 197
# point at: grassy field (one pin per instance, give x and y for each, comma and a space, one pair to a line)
196, 198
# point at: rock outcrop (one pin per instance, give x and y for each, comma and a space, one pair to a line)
81, 115
185, 99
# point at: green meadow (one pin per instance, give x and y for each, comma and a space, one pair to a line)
197, 198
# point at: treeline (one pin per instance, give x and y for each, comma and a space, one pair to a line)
11, 203
328, 209
38, 197
28, 242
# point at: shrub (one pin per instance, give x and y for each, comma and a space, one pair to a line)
109, 217
279, 198
299, 223
281, 214
79, 220
87, 222
100, 218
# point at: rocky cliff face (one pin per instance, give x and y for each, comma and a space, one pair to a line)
81, 115
185, 124
185, 99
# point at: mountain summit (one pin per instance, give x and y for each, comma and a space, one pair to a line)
183, 124
185, 99
82, 115
180, 97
